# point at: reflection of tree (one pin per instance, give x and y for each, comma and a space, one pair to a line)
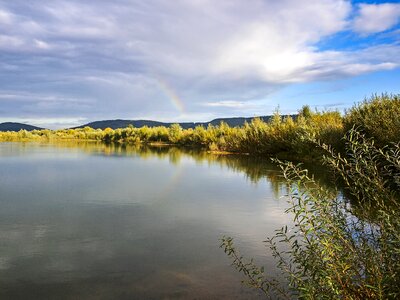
254, 168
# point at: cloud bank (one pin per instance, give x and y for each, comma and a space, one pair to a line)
179, 60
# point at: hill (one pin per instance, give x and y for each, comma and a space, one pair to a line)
114, 124
10, 126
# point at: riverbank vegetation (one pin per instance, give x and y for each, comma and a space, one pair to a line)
282, 137
337, 248
342, 245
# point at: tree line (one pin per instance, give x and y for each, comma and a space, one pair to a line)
284, 137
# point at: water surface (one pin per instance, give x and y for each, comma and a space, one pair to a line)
89, 221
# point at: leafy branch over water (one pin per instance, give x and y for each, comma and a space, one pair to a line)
337, 249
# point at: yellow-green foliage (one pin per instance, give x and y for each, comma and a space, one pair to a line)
21, 135
257, 137
378, 117
284, 135
86, 133
175, 133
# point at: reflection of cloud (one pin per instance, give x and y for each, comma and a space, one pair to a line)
4, 263
83, 218
173, 181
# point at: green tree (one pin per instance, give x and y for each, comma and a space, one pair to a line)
175, 133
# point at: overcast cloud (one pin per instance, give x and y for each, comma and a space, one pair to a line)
66, 62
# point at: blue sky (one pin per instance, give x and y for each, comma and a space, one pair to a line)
68, 62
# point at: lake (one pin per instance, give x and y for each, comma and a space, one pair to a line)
90, 221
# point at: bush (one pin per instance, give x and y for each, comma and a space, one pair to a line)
337, 249
378, 117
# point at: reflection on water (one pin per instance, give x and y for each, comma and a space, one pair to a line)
92, 221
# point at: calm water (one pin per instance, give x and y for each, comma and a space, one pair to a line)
97, 222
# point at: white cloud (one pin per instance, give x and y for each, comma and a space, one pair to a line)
9, 42
227, 103
41, 44
373, 18
32, 97
115, 52
328, 65
5, 17
8, 67
270, 41
50, 123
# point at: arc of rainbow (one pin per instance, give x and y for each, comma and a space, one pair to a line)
172, 182
171, 94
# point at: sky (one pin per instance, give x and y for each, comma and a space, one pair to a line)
68, 62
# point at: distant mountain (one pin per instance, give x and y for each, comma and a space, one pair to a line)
10, 126
114, 124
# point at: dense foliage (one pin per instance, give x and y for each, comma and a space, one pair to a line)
337, 249
378, 117
280, 137
283, 137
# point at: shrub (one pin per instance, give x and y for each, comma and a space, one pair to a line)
175, 133
378, 117
337, 249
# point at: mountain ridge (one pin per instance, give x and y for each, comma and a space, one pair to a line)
121, 123
14, 126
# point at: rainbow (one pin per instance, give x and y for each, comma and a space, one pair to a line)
172, 182
171, 94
